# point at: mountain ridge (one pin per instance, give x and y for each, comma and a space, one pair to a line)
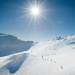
10, 44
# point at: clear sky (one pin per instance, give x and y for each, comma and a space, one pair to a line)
59, 19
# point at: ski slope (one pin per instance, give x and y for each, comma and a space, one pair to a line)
54, 57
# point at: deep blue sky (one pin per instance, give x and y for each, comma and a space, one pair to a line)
60, 19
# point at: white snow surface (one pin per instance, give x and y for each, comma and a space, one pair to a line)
54, 57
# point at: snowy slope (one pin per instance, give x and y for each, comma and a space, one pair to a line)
10, 44
54, 57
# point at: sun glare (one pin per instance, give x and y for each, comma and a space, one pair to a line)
35, 11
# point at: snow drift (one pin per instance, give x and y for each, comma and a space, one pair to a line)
54, 57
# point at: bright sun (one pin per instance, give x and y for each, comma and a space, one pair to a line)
35, 11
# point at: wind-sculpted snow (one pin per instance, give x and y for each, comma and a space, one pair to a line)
54, 57
13, 62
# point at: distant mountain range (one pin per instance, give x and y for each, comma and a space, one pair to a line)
10, 44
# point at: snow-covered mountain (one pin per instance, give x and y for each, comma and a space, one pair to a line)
10, 44
54, 57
